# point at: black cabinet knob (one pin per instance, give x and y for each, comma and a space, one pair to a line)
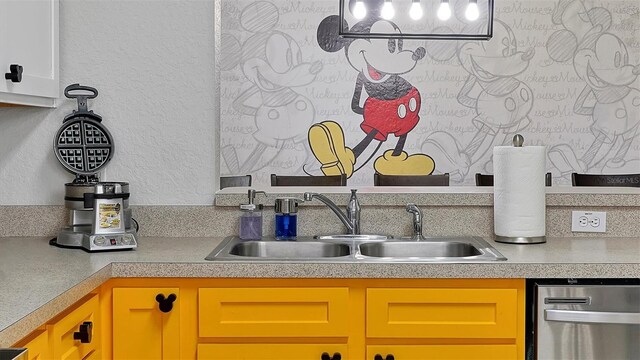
388, 357
165, 304
15, 74
336, 356
85, 332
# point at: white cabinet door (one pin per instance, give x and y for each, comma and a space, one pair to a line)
29, 38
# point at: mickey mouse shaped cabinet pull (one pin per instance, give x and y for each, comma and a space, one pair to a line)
165, 304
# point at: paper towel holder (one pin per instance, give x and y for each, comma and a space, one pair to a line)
521, 239
518, 141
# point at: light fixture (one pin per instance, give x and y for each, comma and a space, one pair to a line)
359, 10
444, 11
414, 22
472, 13
416, 10
387, 12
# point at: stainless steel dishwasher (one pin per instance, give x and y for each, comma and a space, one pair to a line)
592, 319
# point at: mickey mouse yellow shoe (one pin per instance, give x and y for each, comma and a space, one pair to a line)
403, 164
326, 140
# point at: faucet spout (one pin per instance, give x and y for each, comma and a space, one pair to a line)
417, 221
350, 219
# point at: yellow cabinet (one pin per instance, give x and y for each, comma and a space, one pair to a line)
146, 323
273, 312
270, 351
442, 352
442, 313
292, 319
77, 333
37, 344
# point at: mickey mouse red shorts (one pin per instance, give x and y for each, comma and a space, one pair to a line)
396, 116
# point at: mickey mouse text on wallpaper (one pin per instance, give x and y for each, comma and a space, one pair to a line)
602, 61
390, 106
272, 62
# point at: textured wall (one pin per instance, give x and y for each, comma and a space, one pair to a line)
153, 63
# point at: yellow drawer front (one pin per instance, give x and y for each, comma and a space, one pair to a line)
61, 333
442, 313
269, 351
444, 352
273, 312
38, 346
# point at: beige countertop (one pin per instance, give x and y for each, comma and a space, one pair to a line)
38, 281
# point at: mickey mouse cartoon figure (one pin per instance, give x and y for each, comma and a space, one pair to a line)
391, 104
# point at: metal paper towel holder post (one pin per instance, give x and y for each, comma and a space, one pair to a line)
518, 141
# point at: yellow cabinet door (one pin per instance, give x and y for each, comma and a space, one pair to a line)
443, 352
140, 329
81, 322
270, 351
442, 313
38, 346
273, 312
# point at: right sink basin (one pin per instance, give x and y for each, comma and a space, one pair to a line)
432, 249
419, 249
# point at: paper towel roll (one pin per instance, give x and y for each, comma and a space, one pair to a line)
519, 191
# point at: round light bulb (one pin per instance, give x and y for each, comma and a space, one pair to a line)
359, 10
387, 11
416, 11
472, 13
444, 11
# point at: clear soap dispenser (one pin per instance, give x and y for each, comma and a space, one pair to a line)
251, 219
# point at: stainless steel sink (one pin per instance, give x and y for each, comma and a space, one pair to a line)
440, 249
350, 249
289, 250
406, 249
365, 237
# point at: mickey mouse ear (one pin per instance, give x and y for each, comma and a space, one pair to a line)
562, 45
260, 16
230, 52
328, 34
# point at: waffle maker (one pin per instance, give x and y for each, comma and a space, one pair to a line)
99, 214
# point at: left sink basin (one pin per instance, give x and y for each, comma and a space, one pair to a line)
288, 249
278, 250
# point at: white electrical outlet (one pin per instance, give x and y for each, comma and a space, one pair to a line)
588, 221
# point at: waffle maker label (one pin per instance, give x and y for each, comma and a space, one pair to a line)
110, 216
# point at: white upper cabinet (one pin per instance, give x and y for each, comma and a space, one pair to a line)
29, 41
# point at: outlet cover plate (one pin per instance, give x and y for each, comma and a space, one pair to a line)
588, 221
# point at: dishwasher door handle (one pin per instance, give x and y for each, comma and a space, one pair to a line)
593, 317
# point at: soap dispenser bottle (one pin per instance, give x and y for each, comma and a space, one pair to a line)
251, 219
286, 218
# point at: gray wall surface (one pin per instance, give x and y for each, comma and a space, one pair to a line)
153, 64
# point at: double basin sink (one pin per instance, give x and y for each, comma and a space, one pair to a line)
357, 248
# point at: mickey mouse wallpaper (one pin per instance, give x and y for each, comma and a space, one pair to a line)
297, 98
389, 104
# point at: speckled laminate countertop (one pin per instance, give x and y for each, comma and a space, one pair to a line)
37, 281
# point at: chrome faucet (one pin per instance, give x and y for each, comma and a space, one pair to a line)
350, 219
417, 221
